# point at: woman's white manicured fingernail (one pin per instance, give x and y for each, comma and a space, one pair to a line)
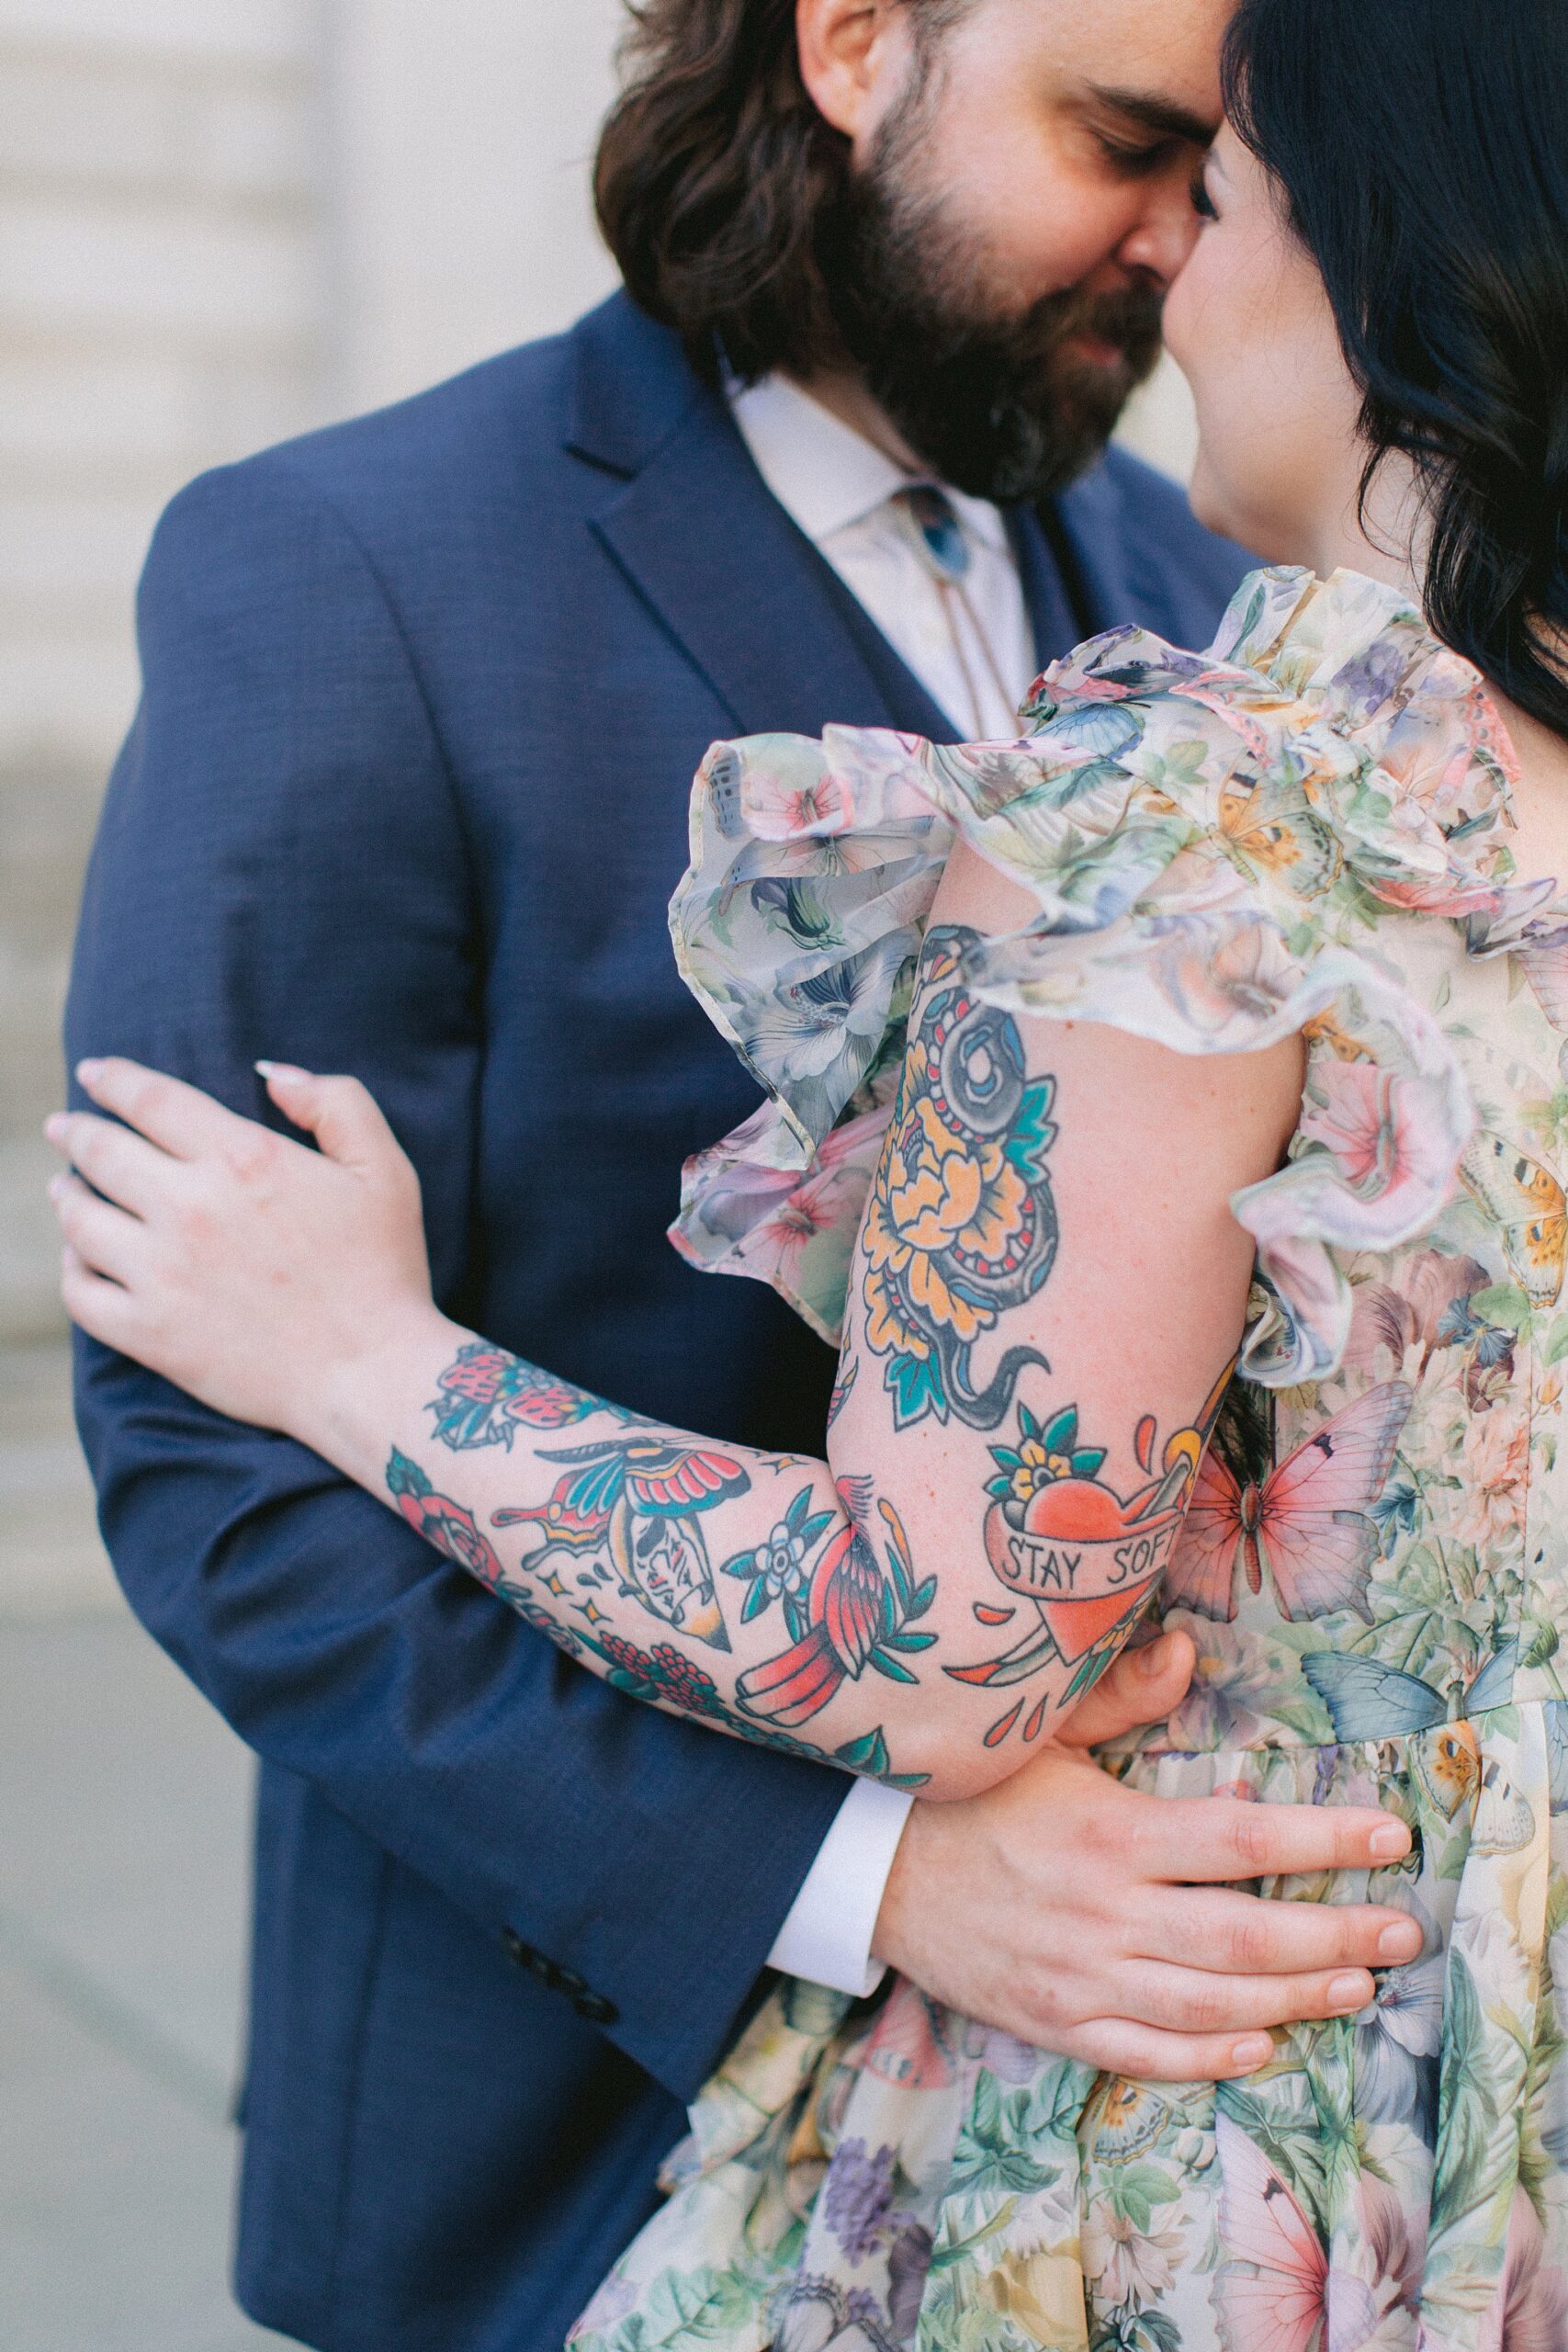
89, 1072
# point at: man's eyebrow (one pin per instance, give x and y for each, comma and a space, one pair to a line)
1151, 112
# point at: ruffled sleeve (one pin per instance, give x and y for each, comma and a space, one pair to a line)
1194, 830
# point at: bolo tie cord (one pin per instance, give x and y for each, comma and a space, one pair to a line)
939, 538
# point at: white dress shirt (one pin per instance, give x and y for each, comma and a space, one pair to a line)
975, 656
840, 490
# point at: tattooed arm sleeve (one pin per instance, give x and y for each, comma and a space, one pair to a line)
698, 1577
1048, 1295
1048, 1291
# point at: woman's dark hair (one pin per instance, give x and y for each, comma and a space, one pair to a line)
718, 183
1422, 148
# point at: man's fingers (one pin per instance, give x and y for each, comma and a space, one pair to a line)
1224, 1839
1145, 2055
1214, 1928
178, 1118
1187, 2000
123, 1167
1145, 1686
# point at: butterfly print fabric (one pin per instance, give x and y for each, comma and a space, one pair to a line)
1303, 828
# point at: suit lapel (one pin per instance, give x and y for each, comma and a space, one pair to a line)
1090, 535
1055, 614
741, 591
753, 604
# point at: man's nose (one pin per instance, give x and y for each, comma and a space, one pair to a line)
1161, 240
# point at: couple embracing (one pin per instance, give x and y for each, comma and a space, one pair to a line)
737, 1864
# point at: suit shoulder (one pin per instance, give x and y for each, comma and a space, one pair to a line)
1137, 482
424, 457
1155, 510
515, 401
1196, 571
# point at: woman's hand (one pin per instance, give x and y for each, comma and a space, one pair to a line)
253, 1272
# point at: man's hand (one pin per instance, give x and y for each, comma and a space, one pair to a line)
1099, 1924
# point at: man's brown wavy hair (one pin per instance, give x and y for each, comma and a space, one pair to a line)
718, 183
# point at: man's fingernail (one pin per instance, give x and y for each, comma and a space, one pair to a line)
1390, 1842
1154, 1660
1255, 2052
1349, 1994
89, 1072
1403, 1940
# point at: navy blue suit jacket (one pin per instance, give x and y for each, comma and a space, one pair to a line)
407, 796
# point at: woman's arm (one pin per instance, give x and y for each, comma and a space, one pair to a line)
289, 1289
1047, 1293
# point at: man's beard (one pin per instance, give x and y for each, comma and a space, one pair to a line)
998, 402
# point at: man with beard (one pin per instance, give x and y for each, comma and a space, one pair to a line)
407, 795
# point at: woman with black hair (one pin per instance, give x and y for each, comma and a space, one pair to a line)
1218, 1023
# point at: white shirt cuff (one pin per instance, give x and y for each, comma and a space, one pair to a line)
827, 1936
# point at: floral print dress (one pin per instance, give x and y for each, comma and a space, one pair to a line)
1305, 827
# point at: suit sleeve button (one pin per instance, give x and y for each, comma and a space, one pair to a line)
595, 2009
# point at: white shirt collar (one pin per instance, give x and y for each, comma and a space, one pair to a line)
824, 474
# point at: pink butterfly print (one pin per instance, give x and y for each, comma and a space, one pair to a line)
1280, 2301
1309, 1522
912, 2045
1546, 969
1529, 2311
1278, 2290
919, 2045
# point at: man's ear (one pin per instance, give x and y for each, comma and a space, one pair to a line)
848, 50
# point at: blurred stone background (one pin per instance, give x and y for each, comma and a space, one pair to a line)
221, 222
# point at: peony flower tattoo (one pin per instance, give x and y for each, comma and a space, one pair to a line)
960, 1225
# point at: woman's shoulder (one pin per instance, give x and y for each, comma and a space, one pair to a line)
1325, 763
1324, 738
1324, 741
1204, 842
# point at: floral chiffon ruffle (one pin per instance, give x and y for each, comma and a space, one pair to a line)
1199, 834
